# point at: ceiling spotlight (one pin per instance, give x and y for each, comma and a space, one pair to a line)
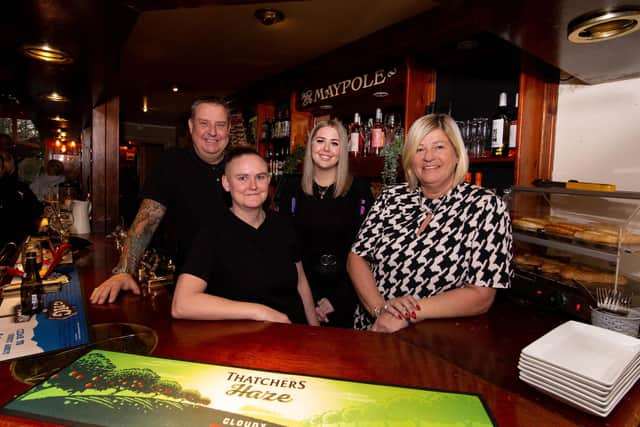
59, 119
55, 97
269, 16
145, 104
44, 52
175, 88
604, 25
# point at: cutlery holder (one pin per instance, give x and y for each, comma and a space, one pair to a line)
627, 325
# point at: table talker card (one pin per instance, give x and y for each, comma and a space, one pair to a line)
114, 389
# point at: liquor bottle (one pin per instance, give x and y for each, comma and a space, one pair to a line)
513, 129
377, 134
390, 129
276, 162
264, 132
277, 125
356, 141
286, 124
367, 137
500, 129
31, 290
270, 159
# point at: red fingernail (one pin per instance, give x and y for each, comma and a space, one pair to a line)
399, 317
413, 314
418, 307
406, 315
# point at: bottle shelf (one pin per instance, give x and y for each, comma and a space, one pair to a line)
479, 160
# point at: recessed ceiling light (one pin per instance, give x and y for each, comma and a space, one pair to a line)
380, 94
269, 16
59, 119
325, 107
604, 25
55, 97
175, 88
44, 52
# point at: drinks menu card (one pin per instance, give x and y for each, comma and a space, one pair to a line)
114, 389
62, 324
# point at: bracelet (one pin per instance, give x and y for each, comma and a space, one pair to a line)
377, 311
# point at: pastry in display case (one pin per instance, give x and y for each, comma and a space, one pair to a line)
569, 243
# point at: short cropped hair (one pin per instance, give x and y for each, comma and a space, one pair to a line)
238, 151
211, 100
421, 128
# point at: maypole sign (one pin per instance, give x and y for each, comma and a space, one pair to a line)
309, 97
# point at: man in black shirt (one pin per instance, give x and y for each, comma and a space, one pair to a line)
186, 185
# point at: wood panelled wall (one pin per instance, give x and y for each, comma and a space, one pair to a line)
105, 165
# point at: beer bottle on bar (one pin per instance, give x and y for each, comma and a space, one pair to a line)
377, 134
31, 290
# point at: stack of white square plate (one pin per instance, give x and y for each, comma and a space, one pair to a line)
585, 366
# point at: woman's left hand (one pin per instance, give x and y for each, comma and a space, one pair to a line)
323, 308
387, 322
403, 308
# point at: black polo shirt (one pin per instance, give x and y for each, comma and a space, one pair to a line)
192, 192
242, 263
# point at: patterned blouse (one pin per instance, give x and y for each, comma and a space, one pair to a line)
467, 241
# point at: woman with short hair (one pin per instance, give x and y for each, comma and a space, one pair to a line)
246, 265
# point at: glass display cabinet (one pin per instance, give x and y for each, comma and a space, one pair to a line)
568, 243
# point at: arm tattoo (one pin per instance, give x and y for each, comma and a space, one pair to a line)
144, 225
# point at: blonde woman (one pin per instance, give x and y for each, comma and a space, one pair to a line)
328, 205
435, 246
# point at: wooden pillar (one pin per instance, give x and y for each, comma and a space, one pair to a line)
420, 92
538, 104
105, 165
85, 144
301, 123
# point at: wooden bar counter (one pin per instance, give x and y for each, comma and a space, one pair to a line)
473, 355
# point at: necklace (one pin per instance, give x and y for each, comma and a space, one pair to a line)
428, 216
321, 191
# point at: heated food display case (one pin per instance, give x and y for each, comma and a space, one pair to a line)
568, 243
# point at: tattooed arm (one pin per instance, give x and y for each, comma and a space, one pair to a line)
144, 225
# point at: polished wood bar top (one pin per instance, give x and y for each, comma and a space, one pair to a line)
473, 355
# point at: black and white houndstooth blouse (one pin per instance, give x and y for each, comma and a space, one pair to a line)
467, 241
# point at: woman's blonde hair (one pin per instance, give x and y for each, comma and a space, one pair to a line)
423, 127
343, 176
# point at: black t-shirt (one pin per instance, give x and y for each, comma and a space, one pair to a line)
192, 192
326, 228
19, 210
242, 263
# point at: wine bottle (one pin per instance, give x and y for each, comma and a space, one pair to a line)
31, 290
355, 140
377, 134
513, 129
500, 129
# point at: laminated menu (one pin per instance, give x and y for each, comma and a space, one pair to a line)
113, 389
